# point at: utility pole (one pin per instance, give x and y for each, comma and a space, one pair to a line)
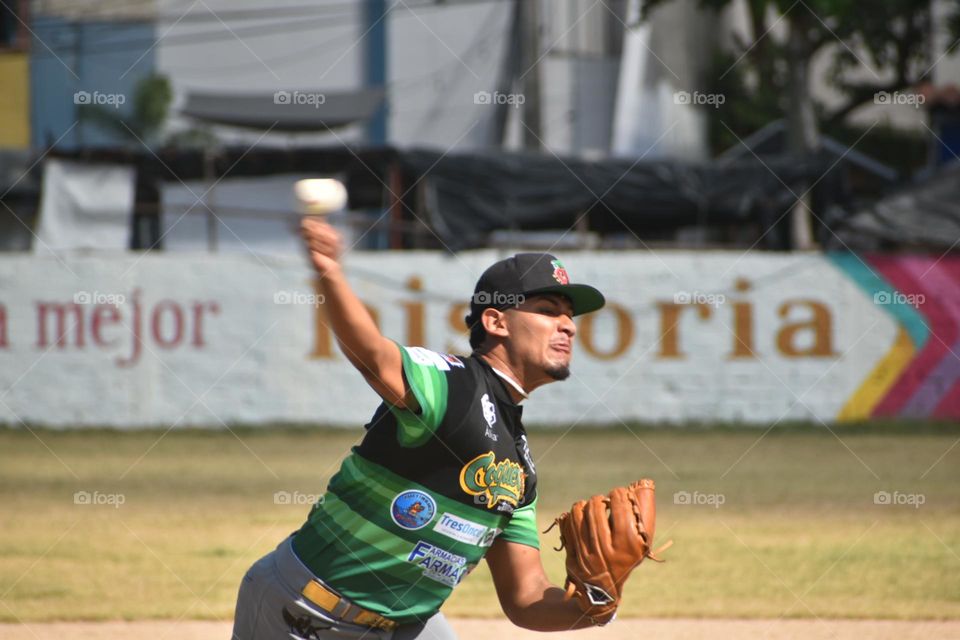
375, 66
803, 138
509, 71
530, 72
78, 65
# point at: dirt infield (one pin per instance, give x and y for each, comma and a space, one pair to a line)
468, 629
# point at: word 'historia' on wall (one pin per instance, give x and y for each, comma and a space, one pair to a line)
137, 341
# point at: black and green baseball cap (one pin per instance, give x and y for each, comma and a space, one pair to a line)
508, 282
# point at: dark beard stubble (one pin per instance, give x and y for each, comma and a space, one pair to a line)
558, 372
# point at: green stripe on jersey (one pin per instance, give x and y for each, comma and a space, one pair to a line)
429, 386
379, 483
366, 576
362, 531
325, 541
352, 542
522, 527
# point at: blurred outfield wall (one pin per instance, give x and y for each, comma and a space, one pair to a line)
133, 340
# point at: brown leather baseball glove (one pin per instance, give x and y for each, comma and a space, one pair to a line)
606, 537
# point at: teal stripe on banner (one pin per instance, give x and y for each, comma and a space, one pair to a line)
873, 285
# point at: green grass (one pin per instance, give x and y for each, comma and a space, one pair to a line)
798, 533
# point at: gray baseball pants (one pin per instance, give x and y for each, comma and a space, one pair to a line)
271, 607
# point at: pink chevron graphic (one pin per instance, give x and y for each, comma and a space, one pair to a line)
904, 274
947, 372
949, 406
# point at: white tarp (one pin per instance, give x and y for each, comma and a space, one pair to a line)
249, 215
85, 206
199, 339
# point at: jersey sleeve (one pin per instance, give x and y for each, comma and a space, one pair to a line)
522, 527
426, 373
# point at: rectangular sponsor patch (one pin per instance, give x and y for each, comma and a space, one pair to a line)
428, 358
489, 537
460, 529
437, 564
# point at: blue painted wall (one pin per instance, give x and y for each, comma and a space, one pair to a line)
93, 56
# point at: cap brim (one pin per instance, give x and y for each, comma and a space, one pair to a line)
583, 297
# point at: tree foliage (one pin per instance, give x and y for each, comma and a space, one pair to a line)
872, 47
143, 121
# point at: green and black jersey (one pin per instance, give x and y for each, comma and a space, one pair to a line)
416, 505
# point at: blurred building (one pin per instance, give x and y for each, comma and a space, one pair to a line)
454, 74
14, 76
568, 79
90, 53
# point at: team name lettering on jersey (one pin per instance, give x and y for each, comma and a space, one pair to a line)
437, 564
491, 482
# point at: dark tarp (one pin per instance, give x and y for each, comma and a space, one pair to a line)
924, 215
472, 195
20, 177
299, 111
19, 173
465, 197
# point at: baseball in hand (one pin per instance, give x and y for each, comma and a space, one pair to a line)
320, 196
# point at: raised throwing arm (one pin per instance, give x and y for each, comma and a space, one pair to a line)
375, 356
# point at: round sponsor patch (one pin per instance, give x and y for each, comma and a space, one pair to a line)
413, 509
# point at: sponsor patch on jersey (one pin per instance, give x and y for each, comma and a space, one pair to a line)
489, 537
413, 509
429, 358
439, 565
490, 415
453, 360
461, 529
498, 485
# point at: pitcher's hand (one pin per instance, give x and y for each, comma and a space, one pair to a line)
323, 244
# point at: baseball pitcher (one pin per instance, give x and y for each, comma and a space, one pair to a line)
444, 478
